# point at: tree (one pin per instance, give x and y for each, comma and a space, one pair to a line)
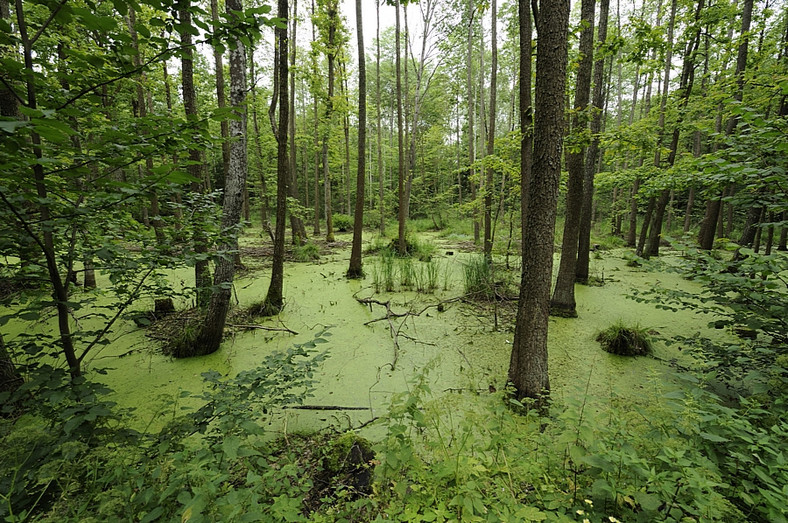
590, 166
488, 188
331, 50
528, 365
212, 328
355, 269
401, 216
563, 300
196, 168
296, 222
274, 300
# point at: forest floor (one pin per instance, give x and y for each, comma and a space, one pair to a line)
464, 341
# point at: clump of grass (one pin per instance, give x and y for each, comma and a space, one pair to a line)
377, 245
387, 269
478, 277
306, 252
422, 251
431, 275
625, 340
406, 272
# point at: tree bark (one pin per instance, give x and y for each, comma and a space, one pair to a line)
563, 300
528, 366
296, 223
355, 270
274, 300
210, 334
488, 238
590, 167
401, 244
471, 117
379, 167
202, 275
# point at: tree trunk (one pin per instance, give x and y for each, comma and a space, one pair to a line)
258, 146
401, 244
586, 215
210, 334
274, 300
471, 117
202, 274
316, 225
331, 55
220, 97
526, 114
355, 269
783, 245
563, 300
488, 239
528, 366
379, 167
296, 223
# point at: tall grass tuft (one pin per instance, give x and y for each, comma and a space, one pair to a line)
478, 277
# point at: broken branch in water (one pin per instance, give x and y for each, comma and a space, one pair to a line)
261, 327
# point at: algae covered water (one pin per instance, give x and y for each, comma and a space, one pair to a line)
382, 340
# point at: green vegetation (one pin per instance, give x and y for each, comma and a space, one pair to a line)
625, 340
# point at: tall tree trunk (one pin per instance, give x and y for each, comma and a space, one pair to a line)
379, 166
274, 300
401, 244
488, 238
355, 269
258, 147
202, 274
525, 110
563, 300
528, 366
296, 223
685, 90
589, 169
471, 119
331, 55
211, 330
220, 96
315, 76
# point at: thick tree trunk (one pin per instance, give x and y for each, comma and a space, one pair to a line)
525, 112
528, 366
211, 330
355, 269
563, 300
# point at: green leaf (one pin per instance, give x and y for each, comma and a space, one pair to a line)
649, 502
230, 446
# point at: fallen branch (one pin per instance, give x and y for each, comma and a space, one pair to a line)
261, 327
323, 407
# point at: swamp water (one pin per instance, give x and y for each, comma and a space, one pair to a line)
458, 343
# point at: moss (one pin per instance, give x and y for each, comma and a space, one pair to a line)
625, 340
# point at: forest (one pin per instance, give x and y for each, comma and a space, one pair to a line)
407, 260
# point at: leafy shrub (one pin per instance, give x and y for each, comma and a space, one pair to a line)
371, 219
343, 222
625, 340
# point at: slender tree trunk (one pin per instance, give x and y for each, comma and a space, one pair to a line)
471, 118
401, 244
783, 245
274, 300
296, 223
355, 269
528, 366
488, 239
590, 166
202, 275
220, 96
563, 300
379, 166
315, 120
258, 146
211, 330
331, 55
